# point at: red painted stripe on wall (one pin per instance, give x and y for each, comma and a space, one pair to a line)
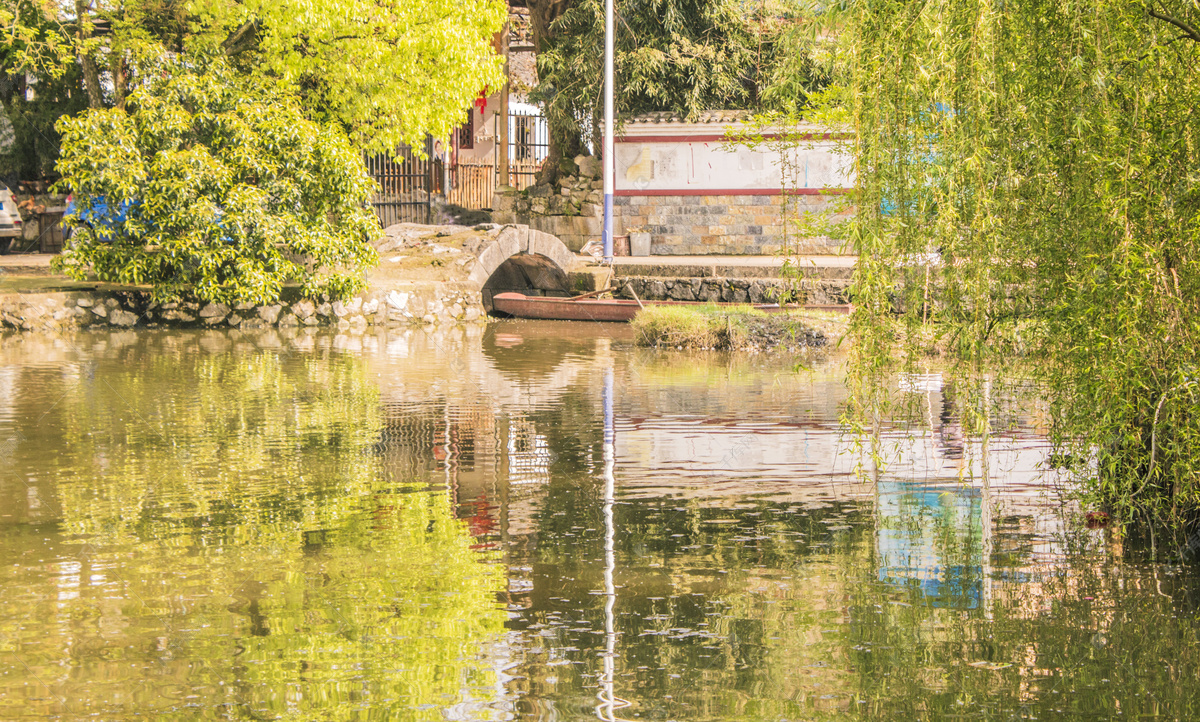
721, 138
734, 192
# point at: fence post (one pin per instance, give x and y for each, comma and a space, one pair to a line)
430, 181
502, 139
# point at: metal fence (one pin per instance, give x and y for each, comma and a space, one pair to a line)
407, 185
528, 146
472, 184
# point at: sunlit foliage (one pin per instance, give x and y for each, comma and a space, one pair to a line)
214, 187
1048, 152
682, 56
388, 71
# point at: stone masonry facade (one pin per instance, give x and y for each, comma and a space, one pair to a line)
737, 225
570, 210
733, 290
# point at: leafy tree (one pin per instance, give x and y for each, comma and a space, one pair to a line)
33, 110
388, 71
214, 186
1049, 150
684, 56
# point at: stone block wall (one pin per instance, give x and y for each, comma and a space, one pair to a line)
573, 214
412, 304
742, 225
731, 290
570, 209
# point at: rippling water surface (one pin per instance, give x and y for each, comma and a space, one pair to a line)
539, 521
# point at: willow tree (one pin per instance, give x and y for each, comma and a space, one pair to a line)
1050, 150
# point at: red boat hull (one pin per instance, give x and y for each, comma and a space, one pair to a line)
519, 305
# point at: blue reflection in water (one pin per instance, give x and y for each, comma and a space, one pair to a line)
930, 539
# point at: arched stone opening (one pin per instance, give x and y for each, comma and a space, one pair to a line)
527, 273
525, 261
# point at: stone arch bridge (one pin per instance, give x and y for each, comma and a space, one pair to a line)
426, 275
520, 258
438, 274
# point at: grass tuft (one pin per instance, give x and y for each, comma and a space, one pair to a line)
721, 327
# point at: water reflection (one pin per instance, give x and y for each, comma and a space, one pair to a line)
539, 521
930, 539
223, 542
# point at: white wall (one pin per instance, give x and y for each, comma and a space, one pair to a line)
485, 129
658, 164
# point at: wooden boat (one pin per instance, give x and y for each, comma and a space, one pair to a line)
518, 305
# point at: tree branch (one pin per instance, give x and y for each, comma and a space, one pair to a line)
247, 31
1188, 31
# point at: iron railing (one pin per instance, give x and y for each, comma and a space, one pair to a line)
528, 146
472, 184
407, 185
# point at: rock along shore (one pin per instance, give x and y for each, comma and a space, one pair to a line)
423, 279
57, 311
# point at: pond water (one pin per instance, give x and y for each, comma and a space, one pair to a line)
540, 521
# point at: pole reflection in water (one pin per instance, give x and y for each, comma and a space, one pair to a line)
605, 710
986, 502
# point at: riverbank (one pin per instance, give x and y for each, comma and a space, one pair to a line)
423, 278
433, 275
737, 328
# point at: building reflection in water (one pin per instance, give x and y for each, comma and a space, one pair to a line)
582, 466
931, 538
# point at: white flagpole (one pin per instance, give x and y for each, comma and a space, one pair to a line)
609, 164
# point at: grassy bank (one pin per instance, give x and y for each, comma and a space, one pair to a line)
734, 328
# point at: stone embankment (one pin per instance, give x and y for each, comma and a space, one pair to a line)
570, 210
823, 280
731, 290
427, 275
57, 311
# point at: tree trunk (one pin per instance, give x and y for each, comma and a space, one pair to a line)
564, 141
542, 13
120, 73
91, 81
91, 72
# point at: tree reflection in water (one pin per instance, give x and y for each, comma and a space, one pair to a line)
426, 529
228, 546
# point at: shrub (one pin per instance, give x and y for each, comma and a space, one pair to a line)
215, 187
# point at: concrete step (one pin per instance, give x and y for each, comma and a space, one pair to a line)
26, 264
